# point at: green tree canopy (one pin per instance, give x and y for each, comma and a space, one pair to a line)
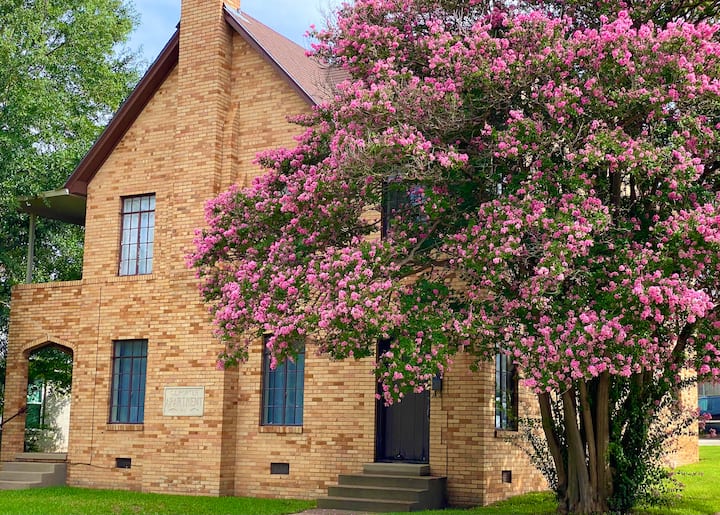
51, 365
63, 71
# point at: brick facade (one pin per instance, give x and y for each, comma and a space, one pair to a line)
199, 133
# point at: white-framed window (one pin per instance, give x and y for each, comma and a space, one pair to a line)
137, 235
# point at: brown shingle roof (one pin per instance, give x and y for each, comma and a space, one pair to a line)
313, 81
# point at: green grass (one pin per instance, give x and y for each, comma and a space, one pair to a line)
701, 492
84, 501
701, 496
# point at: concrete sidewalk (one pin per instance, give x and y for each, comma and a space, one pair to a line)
709, 441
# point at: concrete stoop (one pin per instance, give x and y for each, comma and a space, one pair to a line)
387, 487
33, 470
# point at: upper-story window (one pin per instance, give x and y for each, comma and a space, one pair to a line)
138, 234
401, 203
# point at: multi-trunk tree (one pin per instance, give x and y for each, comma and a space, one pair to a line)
497, 182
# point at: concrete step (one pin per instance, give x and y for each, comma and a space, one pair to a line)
387, 487
27, 466
19, 485
397, 469
16, 475
378, 506
388, 481
44, 457
376, 493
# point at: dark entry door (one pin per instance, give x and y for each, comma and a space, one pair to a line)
403, 429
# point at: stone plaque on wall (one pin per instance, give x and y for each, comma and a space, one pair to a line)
184, 401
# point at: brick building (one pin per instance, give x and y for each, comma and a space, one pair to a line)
149, 409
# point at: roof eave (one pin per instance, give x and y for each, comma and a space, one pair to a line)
124, 118
56, 205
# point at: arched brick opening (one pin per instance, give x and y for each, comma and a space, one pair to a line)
15, 410
47, 414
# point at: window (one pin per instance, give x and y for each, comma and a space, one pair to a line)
506, 401
401, 204
35, 414
282, 391
138, 233
127, 404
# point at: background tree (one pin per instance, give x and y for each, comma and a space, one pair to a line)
63, 71
51, 366
497, 182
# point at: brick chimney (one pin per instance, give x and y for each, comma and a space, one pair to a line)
203, 101
204, 90
204, 83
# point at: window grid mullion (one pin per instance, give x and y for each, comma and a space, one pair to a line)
286, 390
277, 392
135, 240
128, 368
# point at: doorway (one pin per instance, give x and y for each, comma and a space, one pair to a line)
47, 417
403, 428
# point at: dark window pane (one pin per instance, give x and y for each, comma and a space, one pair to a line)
128, 388
506, 402
283, 389
401, 201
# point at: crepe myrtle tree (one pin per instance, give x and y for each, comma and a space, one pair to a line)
496, 181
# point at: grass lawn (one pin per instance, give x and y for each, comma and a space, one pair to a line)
84, 501
701, 496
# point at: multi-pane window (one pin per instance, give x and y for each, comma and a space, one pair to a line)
402, 201
35, 414
282, 390
506, 398
127, 403
138, 234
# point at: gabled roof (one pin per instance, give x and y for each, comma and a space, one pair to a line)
312, 80
124, 117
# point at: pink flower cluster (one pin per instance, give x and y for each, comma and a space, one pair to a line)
555, 199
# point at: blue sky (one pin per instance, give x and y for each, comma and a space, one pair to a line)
290, 18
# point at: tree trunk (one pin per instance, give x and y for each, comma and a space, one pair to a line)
584, 474
580, 496
553, 442
602, 437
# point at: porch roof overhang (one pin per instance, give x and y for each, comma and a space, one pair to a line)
56, 205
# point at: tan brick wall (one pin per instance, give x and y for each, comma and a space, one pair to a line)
464, 445
175, 149
144, 161
337, 435
33, 310
683, 448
